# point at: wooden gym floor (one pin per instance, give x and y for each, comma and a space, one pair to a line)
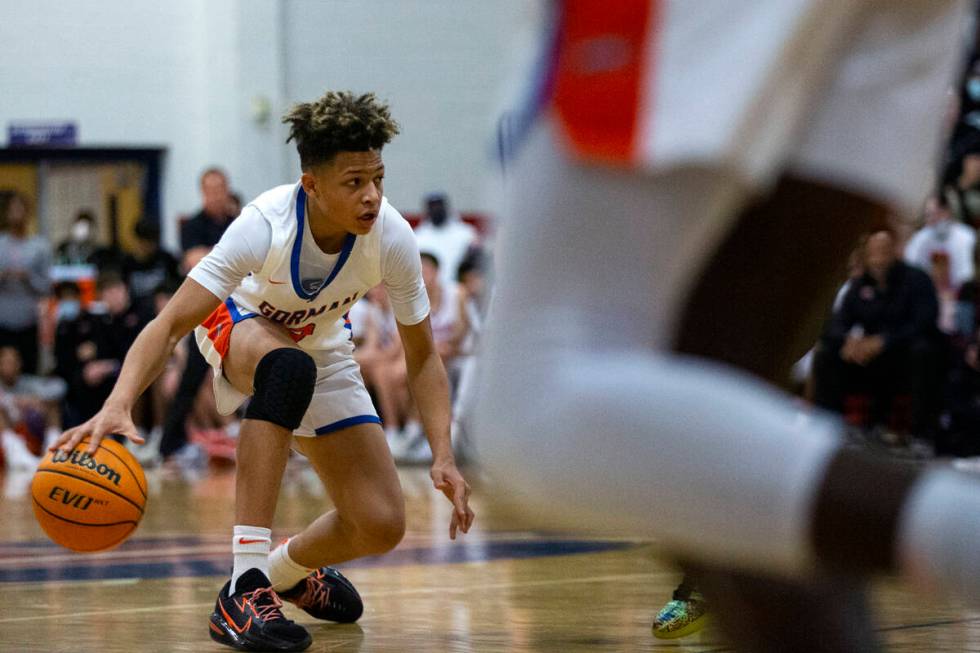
498, 589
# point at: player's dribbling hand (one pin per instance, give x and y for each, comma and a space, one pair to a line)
108, 420
447, 479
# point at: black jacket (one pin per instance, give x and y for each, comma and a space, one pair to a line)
202, 231
905, 309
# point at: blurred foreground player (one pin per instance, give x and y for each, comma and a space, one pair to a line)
690, 177
273, 297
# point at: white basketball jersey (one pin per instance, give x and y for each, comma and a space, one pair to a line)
314, 311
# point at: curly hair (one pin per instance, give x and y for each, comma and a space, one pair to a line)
338, 122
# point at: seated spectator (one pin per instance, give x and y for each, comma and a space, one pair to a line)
410, 444
378, 352
471, 277
149, 266
161, 392
883, 340
32, 404
962, 437
25, 261
443, 309
90, 349
443, 234
471, 298
68, 296
946, 292
942, 235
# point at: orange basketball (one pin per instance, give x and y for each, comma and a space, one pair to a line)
89, 502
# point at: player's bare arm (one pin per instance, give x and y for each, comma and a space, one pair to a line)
143, 364
430, 389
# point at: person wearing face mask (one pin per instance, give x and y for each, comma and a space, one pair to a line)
445, 235
82, 246
69, 298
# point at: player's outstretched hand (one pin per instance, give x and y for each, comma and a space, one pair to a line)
447, 479
109, 420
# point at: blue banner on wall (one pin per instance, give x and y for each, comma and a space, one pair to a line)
36, 134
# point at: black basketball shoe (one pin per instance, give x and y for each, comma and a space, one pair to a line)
326, 594
251, 619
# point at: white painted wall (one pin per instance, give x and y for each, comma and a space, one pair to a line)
438, 62
187, 74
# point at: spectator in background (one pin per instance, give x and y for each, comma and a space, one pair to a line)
969, 191
444, 311
149, 266
234, 204
82, 246
963, 386
31, 404
445, 236
410, 445
204, 229
942, 235
961, 159
883, 340
25, 261
162, 391
378, 351
69, 297
198, 235
471, 297
946, 291
90, 349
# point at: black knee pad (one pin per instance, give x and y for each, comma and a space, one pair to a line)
284, 381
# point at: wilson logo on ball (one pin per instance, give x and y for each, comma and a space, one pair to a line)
80, 501
87, 461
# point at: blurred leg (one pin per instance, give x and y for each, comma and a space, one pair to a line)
174, 430
785, 255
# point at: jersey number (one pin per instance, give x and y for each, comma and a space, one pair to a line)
302, 332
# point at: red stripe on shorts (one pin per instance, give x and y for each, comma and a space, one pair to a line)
219, 325
599, 75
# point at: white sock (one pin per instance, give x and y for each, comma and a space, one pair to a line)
284, 572
250, 545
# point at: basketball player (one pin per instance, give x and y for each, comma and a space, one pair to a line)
696, 173
271, 300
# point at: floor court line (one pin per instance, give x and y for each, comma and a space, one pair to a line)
384, 594
221, 548
930, 624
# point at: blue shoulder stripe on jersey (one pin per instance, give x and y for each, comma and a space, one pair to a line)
298, 247
350, 421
